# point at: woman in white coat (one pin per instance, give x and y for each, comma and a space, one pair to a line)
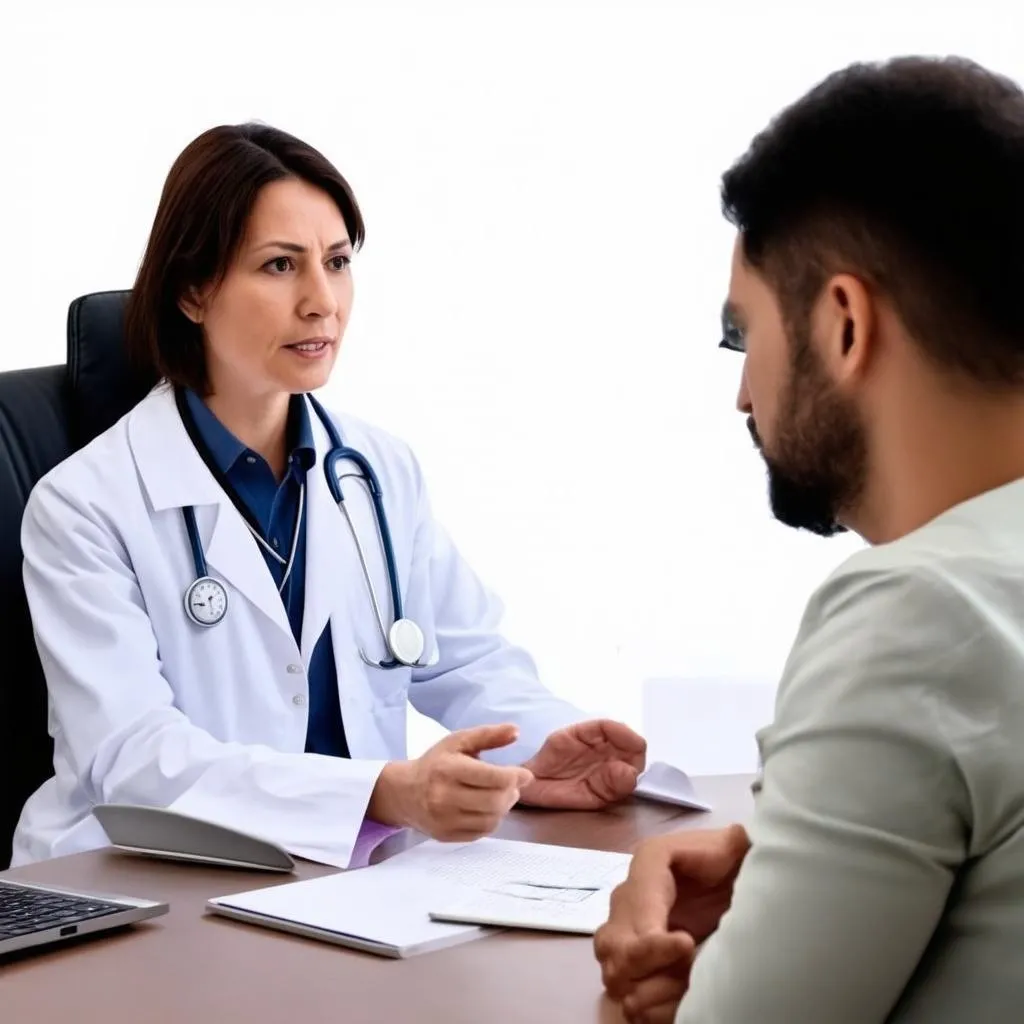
218, 633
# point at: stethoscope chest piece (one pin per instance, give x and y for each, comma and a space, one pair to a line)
406, 641
206, 601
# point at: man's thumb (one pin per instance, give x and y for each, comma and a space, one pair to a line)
481, 737
711, 856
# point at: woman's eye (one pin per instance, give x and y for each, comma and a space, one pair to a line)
279, 264
340, 262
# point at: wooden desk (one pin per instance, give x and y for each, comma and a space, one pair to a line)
191, 968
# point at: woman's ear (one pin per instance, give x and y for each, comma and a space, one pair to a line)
190, 305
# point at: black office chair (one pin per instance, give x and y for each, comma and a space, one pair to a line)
46, 414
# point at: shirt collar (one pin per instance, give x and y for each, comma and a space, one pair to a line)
300, 433
227, 449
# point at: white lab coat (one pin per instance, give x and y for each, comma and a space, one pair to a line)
148, 708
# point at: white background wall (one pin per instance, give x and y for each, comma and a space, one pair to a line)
537, 302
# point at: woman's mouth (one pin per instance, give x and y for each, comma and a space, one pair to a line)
311, 348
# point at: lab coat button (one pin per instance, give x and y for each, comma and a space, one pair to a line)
299, 701
295, 669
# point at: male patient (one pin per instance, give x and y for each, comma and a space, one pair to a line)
877, 294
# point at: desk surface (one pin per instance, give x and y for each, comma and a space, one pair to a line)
189, 966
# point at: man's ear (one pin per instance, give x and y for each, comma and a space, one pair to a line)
847, 325
190, 305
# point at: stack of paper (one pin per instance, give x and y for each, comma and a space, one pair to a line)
404, 905
437, 894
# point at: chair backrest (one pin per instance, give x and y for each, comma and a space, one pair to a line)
45, 415
33, 438
102, 384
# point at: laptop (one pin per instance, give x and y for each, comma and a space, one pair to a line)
36, 915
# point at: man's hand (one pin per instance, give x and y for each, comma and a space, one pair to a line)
448, 793
678, 888
586, 766
666, 958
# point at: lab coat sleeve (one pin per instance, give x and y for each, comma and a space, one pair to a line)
113, 714
480, 677
863, 813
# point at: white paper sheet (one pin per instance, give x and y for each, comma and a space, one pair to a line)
389, 904
554, 889
666, 784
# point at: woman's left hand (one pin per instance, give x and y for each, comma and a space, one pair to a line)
586, 766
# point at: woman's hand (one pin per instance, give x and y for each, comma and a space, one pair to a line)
586, 766
448, 793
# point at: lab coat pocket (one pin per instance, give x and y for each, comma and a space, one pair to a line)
389, 688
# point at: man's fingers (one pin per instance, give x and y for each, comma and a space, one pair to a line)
617, 983
627, 959
658, 952
654, 999
604, 942
611, 941
482, 737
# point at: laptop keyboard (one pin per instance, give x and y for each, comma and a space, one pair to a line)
23, 911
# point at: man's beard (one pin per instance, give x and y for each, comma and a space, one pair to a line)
818, 468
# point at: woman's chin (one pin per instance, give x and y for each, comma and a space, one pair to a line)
303, 379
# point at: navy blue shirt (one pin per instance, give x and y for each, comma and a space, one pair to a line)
275, 506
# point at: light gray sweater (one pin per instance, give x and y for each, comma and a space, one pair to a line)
886, 878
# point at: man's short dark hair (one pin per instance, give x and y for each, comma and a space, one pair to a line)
910, 175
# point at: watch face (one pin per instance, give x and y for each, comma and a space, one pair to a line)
206, 601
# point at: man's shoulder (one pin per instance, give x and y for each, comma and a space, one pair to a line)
975, 540
939, 566
892, 622
877, 581
925, 632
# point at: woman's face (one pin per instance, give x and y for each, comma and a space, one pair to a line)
274, 324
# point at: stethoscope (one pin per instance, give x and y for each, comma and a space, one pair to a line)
206, 599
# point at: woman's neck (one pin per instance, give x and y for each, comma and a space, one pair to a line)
261, 424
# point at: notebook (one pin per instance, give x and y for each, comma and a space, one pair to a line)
395, 909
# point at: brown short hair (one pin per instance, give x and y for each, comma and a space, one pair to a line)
200, 221
909, 173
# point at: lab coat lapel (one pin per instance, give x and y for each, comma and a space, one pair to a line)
233, 552
174, 475
329, 579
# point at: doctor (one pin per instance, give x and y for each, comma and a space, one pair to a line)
236, 594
